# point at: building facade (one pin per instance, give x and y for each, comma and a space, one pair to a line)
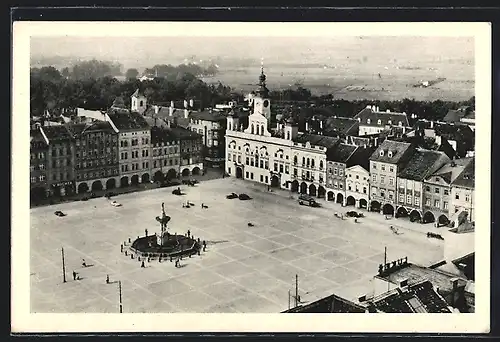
96, 157
134, 147
358, 185
410, 199
165, 152
190, 151
212, 126
336, 176
463, 193
60, 160
437, 192
385, 162
373, 121
39, 149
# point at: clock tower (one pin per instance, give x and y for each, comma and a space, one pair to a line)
261, 102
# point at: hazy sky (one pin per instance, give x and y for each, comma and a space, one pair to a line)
136, 51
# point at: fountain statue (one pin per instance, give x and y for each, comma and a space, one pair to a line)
163, 237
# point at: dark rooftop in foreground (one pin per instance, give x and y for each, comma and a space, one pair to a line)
184, 134
340, 153
125, 121
208, 115
419, 165
162, 135
397, 149
467, 177
57, 133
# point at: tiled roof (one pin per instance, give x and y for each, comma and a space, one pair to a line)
454, 115
340, 153
119, 102
369, 114
317, 140
94, 114
36, 136
341, 125
451, 170
137, 93
420, 298
419, 165
459, 133
184, 134
467, 177
126, 121
207, 115
77, 129
361, 157
398, 149
159, 135
99, 126
154, 121
57, 133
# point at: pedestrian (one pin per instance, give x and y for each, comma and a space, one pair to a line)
146, 231
198, 240
142, 264
149, 259
138, 258
131, 256
121, 248
159, 259
129, 240
198, 252
204, 243
107, 278
170, 258
84, 264
74, 275
189, 233
125, 253
204, 248
176, 263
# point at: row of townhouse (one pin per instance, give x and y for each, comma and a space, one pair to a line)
395, 178
120, 150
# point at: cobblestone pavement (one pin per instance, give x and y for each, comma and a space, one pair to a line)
244, 269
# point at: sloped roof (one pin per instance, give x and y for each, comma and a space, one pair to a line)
119, 102
340, 124
184, 134
317, 140
454, 115
99, 126
330, 304
369, 114
57, 133
340, 153
361, 157
36, 136
419, 165
94, 114
156, 122
420, 298
137, 93
451, 170
397, 149
459, 132
159, 135
467, 177
208, 115
127, 121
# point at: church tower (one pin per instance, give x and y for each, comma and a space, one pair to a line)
261, 102
138, 102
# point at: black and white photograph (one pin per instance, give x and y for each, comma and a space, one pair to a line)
251, 168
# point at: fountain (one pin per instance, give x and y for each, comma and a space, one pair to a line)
164, 244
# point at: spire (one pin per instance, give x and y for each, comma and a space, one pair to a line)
262, 77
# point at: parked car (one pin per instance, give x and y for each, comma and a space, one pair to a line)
353, 213
232, 196
116, 204
59, 213
308, 200
244, 197
177, 192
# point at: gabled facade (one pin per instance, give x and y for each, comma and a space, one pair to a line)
165, 153
463, 193
358, 185
373, 121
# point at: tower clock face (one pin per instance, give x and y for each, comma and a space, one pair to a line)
266, 103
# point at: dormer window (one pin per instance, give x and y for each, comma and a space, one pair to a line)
381, 153
400, 124
368, 121
389, 154
379, 122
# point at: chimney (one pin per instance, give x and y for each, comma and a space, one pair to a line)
186, 113
307, 126
191, 103
172, 105
432, 124
185, 104
387, 111
321, 124
171, 110
157, 109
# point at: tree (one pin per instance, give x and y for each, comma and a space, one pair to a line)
131, 74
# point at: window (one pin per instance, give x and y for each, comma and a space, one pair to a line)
436, 203
391, 168
417, 201
341, 186
341, 172
41, 167
391, 181
229, 157
427, 188
374, 166
246, 174
349, 187
295, 172
312, 163
374, 191
335, 170
239, 159
445, 192
335, 184
379, 122
266, 164
267, 179
408, 199
261, 164
261, 178
42, 178
383, 167
357, 176
33, 179
276, 167
368, 121
321, 165
382, 179
374, 178
466, 198
401, 198
391, 195
382, 193
445, 205
364, 189
247, 161
436, 190
251, 175
294, 160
